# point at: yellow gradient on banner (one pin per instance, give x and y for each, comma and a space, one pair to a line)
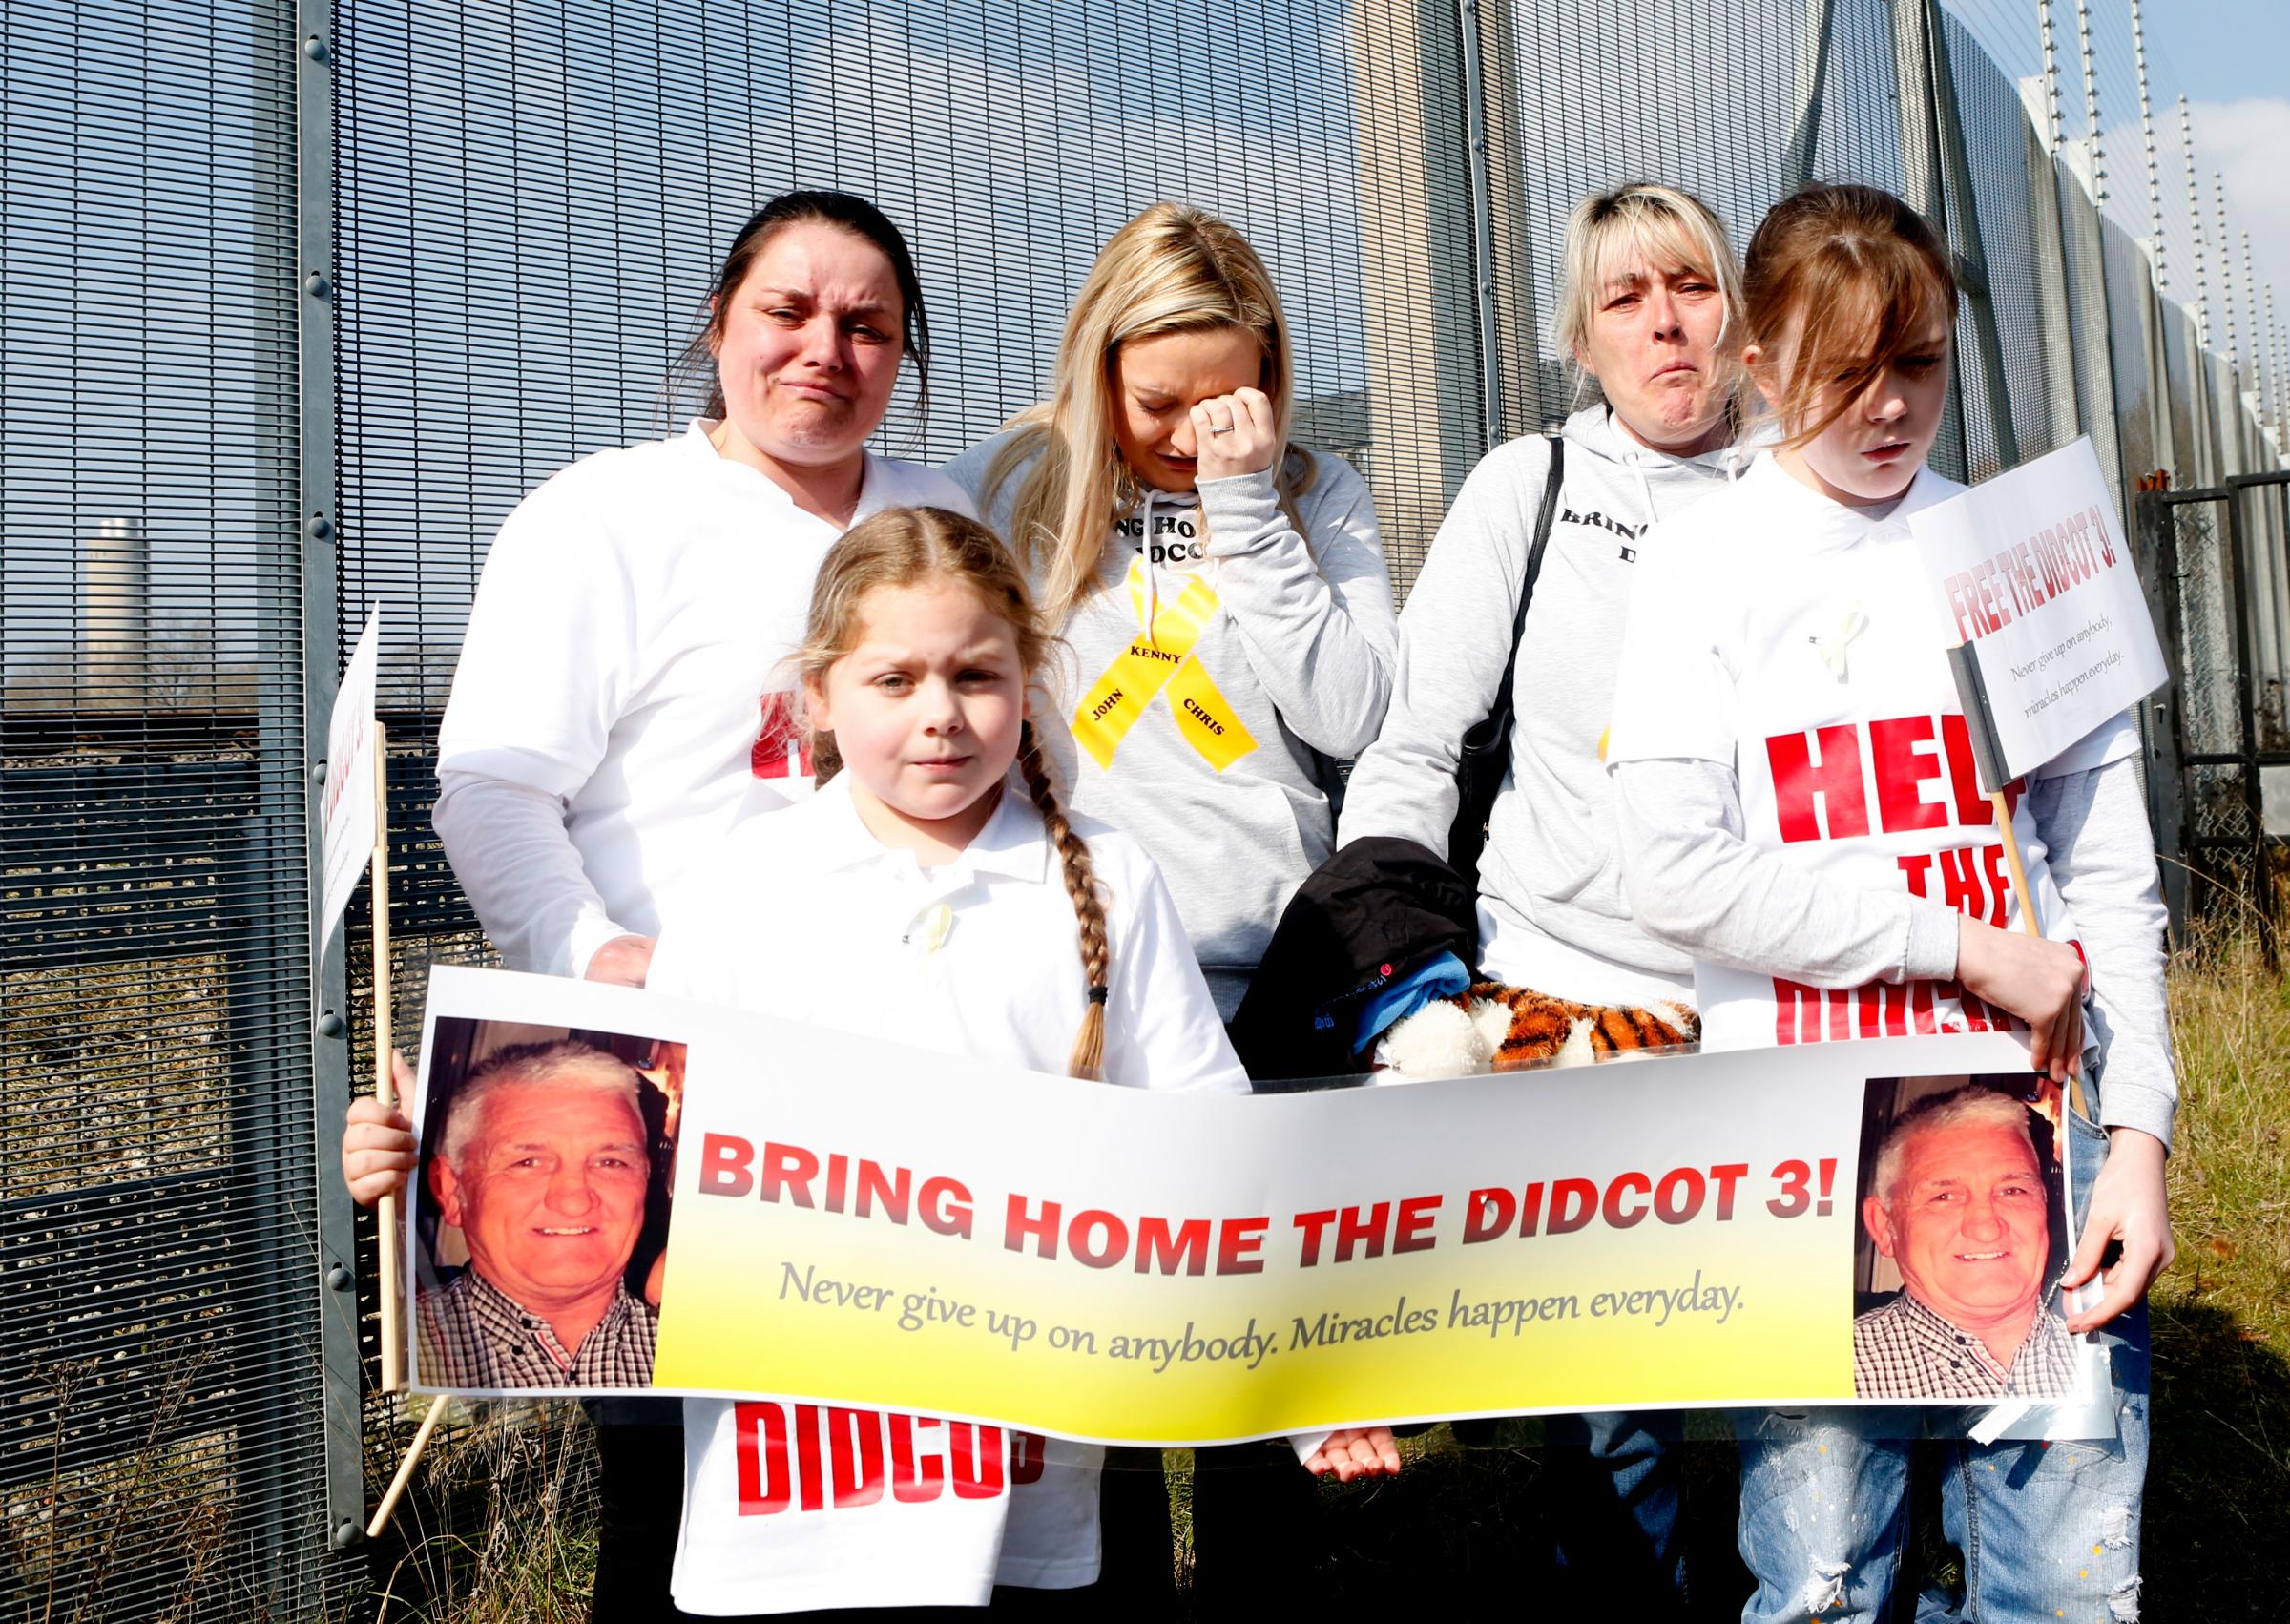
835, 1307
1163, 657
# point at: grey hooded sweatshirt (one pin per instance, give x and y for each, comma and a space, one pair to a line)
1215, 760
1553, 912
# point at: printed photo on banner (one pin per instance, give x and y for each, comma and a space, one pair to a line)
1962, 1233
540, 1214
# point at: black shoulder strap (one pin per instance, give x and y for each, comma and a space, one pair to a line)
1482, 755
1534, 563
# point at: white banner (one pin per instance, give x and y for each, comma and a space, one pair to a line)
2035, 573
778, 1209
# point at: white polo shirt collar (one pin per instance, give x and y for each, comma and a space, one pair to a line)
1014, 843
1820, 525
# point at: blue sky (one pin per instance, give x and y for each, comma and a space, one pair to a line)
2223, 49
2230, 58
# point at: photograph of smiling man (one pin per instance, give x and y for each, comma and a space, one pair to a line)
540, 1224
1962, 1224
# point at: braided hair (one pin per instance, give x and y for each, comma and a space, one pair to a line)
1081, 887
904, 547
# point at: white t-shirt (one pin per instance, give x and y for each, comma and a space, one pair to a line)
1799, 643
621, 684
980, 957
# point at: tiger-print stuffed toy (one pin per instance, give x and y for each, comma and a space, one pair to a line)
1489, 1027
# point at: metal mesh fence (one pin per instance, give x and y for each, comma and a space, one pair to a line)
2208, 715
2265, 513
2008, 411
160, 1438
2266, 517
525, 201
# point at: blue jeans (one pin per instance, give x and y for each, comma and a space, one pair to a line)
1609, 1491
2046, 1529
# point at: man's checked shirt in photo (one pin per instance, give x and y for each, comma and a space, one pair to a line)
474, 1335
1903, 1350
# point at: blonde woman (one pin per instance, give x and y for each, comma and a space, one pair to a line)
1650, 315
1223, 591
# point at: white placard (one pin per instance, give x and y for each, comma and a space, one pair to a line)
2034, 571
349, 789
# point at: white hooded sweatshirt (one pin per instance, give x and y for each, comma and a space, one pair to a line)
1220, 658
1551, 910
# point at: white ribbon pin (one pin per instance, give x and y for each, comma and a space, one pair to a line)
929, 931
1832, 648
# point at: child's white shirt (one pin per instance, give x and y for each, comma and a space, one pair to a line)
1795, 643
804, 914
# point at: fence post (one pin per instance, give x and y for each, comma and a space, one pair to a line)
1812, 85
1926, 190
2155, 284
1426, 389
2164, 734
2226, 393
2087, 198
1516, 342
335, 1255
1483, 228
2046, 138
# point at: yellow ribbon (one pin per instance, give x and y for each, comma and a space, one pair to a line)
1163, 659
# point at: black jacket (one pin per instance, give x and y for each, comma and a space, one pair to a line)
1377, 909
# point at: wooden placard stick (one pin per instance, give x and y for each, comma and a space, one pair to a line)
393, 1272
1987, 758
405, 1473
2027, 920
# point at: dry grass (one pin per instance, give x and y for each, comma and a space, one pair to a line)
499, 1526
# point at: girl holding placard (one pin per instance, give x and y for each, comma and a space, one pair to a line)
1798, 812
618, 693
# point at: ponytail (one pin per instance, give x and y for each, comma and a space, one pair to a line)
1081, 887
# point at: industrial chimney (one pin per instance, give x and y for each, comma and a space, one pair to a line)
116, 615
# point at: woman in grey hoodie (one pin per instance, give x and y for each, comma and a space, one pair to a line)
1223, 591
1648, 303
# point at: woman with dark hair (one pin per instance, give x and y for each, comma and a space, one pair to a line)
617, 695
620, 690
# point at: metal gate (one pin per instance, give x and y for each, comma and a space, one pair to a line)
2212, 560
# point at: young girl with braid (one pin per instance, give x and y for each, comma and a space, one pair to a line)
933, 886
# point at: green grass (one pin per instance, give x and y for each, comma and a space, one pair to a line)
2219, 1486
500, 1525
